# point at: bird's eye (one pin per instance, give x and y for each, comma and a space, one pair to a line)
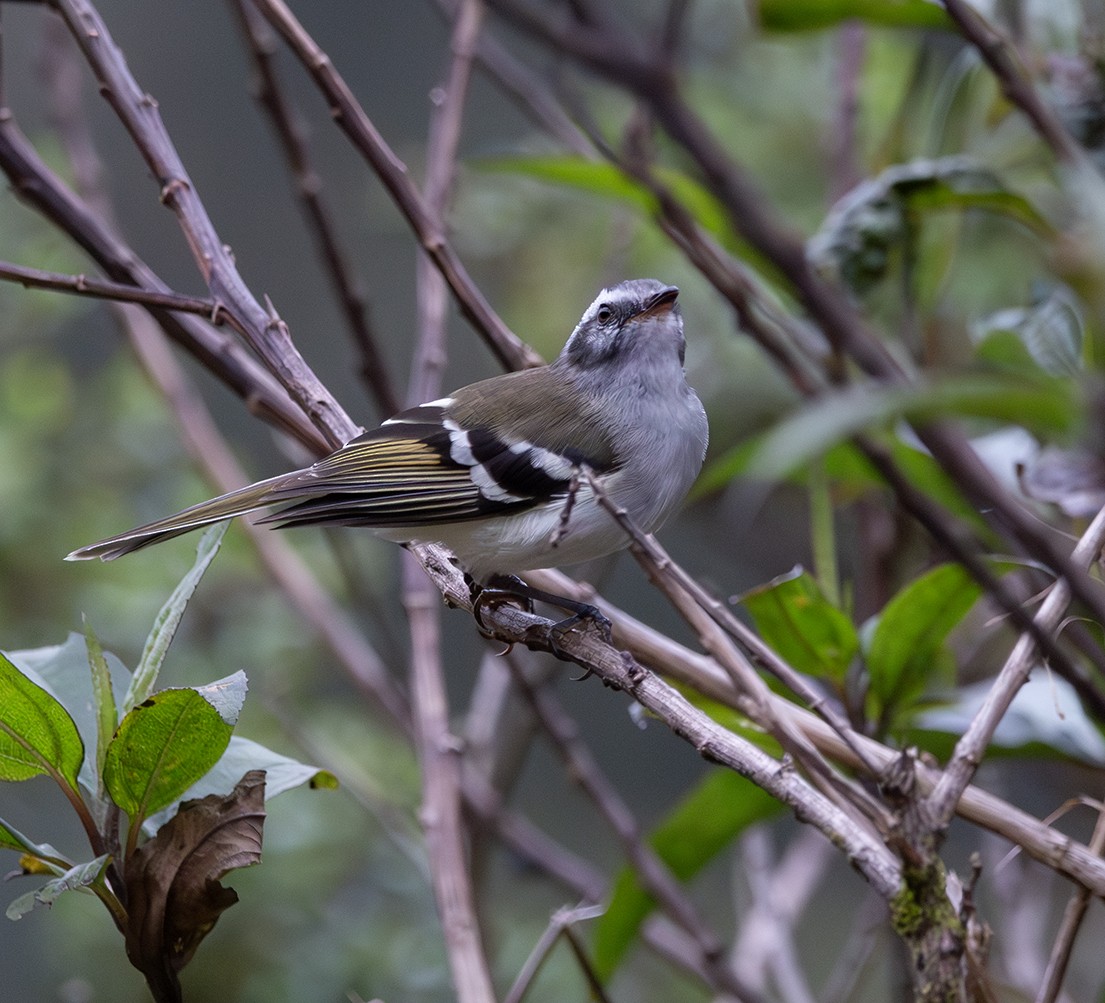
605, 314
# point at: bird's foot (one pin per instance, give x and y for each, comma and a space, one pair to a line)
508, 588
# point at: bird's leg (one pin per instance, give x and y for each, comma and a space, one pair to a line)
566, 512
504, 588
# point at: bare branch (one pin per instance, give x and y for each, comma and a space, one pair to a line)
560, 925
438, 748
41, 188
353, 120
651, 871
292, 134
710, 740
1073, 915
81, 285
266, 334
1054, 849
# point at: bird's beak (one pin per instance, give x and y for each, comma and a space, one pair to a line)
659, 303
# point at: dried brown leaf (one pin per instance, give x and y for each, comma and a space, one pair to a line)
174, 896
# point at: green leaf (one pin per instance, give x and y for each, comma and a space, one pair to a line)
707, 820
102, 695
793, 616
168, 619
242, 756
162, 747
1051, 332
905, 649
75, 878
598, 177
811, 15
37, 735
1047, 406
12, 839
857, 240
63, 670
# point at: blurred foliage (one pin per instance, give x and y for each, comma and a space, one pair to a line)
980, 264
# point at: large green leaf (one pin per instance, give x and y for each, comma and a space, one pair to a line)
906, 645
162, 747
807, 15
64, 671
37, 735
857, 240
1044, 405
799, 623
707, 820
601, 178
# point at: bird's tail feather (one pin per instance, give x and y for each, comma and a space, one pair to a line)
235, 503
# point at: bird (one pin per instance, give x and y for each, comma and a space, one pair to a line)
493, 471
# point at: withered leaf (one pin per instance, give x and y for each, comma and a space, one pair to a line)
174, 896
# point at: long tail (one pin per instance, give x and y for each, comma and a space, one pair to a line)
247, 499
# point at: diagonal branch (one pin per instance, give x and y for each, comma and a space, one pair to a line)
1000, 56
291, 132
41, 188
392, 172
265, 332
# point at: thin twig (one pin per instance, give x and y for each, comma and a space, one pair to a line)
291, 131
677, 583
560, 925
651, 871
1000, 56
1073, 916
356, 124
530, 93
82, 285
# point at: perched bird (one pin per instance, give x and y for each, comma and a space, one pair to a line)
491, 471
